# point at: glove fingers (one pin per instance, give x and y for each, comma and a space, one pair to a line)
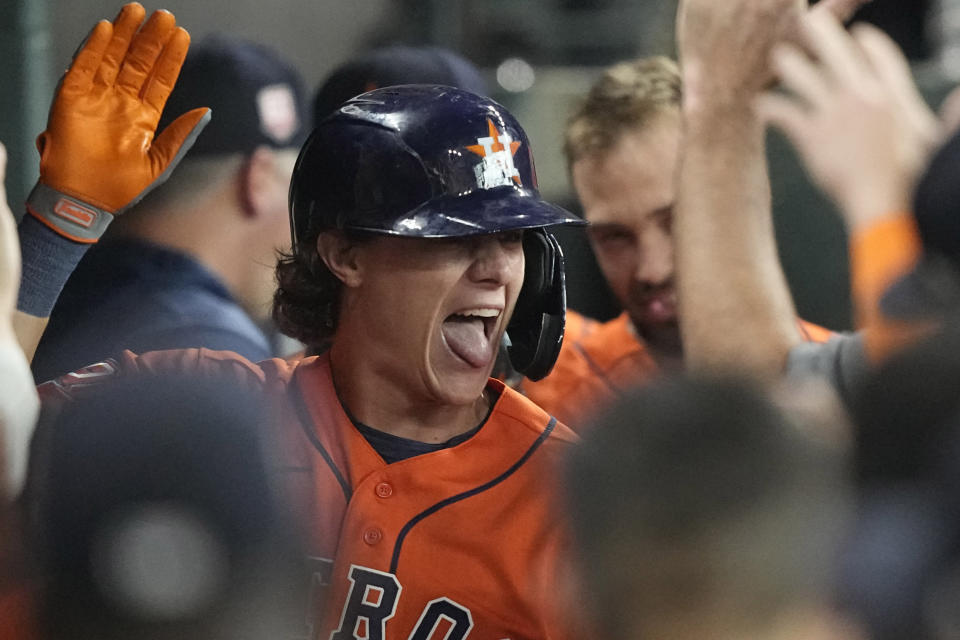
125, 27
144, 50
160, 83
170, 146
87, 60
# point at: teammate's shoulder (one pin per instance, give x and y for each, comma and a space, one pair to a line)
563, 433
589, 336
516, 407
618, 327
200, 361
594, 353
223, 365
578, 326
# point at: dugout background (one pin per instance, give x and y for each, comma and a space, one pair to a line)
539, 56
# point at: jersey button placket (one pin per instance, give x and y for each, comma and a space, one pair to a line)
384, 490
372, 535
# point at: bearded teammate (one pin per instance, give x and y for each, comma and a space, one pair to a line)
418, 242
622, 147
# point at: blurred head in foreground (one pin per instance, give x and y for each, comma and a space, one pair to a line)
157, 519
901, 568
700, 509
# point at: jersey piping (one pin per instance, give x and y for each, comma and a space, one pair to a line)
305, 422
395, 559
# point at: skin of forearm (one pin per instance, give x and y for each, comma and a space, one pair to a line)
735, 307
28, 329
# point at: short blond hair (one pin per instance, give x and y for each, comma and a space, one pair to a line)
627, 96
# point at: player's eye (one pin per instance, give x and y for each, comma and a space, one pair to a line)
511, 237
611, 236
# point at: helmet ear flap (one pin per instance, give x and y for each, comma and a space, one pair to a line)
536, 328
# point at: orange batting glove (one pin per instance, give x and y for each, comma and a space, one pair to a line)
98, 155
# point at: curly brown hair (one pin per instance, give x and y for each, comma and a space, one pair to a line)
306, 304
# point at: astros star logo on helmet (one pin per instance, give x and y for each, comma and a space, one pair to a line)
497, 150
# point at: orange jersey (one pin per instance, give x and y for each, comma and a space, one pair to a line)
880, 255
597, 363
600, 361
461, 540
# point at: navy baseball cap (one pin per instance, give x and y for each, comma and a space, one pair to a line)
932, 288
395, 65
256, 97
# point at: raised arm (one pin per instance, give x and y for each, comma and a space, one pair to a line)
735, 307
18, 397
98, 154
865, 136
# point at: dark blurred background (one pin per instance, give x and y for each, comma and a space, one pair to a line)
539, 56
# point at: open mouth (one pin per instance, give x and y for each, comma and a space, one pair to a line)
469, 334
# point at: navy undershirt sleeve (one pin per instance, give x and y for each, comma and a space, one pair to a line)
48, 261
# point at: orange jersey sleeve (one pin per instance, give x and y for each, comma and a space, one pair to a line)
229, 366
598, 362
880, 255
596, 365
813, 333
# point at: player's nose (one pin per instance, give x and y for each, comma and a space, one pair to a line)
655, 257
497, 258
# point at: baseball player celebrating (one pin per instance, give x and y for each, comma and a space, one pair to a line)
418, 241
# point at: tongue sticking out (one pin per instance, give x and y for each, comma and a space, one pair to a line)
467, 339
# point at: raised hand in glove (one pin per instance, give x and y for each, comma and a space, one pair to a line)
98, 155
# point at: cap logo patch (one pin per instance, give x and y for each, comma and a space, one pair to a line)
278, 112
497, 150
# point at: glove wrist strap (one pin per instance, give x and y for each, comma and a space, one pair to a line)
71, 218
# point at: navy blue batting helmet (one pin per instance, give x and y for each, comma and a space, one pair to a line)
419, 160
437, 162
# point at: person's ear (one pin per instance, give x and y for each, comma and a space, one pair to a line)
340, 255
259, 182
